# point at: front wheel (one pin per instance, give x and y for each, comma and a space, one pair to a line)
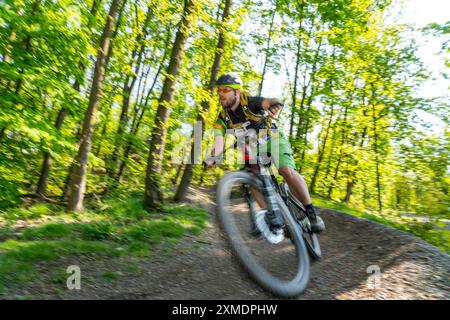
281, 267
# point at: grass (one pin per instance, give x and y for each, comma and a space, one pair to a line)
18, 256
59, 276
117, 225
153, 231
436, 236
48, 231
111, 275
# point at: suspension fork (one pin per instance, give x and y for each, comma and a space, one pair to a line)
248, 197
268, 189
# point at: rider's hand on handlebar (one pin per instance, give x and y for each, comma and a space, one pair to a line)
210, 163
274, 110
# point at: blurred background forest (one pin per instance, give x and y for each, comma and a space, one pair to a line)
96, 95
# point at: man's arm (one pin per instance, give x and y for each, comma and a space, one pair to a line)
219, 132
216, 152
218, 146
273, 106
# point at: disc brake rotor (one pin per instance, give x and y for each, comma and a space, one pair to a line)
263, 227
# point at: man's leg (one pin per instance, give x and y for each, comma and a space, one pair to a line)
297, 185
281, 152
258, 197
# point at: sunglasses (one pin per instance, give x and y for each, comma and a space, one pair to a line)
224, 90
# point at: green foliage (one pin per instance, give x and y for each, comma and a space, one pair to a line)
433, 233
185, 214
17, 258
59, 276
96, 231
48, 232
115, 229
29, 213
138, 248
37, 68
111, 276
152, 231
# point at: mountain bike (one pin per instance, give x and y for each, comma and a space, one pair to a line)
278, 261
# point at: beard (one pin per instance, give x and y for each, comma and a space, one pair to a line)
229, 103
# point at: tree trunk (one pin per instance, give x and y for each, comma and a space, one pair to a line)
348, 191
332, 147
351, 182
68, 182
321, 152
335, 175
177, 175
108, 56
158, 139
78, 185
95, 5
27, 43
187, 173
297, 66
266, 58
107, 113
377, 160
294, 91
116, 30
311, 83
47, 162
300, 115
128, 87
341, 153
137, 120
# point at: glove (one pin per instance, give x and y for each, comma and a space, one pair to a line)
275, 109
210, 162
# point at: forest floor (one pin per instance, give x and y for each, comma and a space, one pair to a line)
201, 266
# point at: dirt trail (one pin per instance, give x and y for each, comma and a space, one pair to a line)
202, 267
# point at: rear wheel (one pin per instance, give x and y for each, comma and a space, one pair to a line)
297, 209
279, 264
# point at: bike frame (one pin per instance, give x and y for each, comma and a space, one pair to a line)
270, 185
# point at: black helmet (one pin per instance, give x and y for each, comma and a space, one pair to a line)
229, 80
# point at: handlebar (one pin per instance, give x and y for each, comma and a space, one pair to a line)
266, 115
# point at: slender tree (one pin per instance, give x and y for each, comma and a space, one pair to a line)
159, 132
47, 161
205, 105
78, 186
268, 47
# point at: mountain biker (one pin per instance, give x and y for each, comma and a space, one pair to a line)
241, 111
